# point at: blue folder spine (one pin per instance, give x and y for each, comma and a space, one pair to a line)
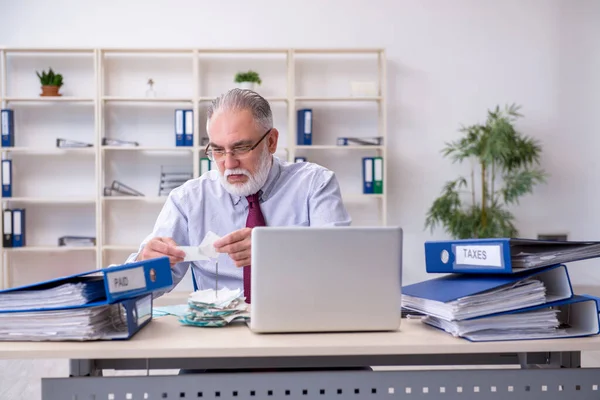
7, 178
188, 127
137, 278
7, 127
484, 256
18, 238
179, 128
368, 165
304, 126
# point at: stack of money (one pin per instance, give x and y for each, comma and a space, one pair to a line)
210, 308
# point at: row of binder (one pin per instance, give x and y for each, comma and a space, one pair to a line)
304, 132
113, 303
184, 127
13, 227
372, 174
520, 290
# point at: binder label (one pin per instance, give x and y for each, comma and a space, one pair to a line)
126, 280
479, 255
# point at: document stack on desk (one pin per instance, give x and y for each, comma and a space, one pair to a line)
504, 289
112, 303
210, 308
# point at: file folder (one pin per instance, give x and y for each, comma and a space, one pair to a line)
204, 165
96, 321
577, 316
503, 255
304, 126
179, 128
378, 175
7, 127
367, 174
7, 228
105, 286
463, 296
7, 178
18, 237
188, 127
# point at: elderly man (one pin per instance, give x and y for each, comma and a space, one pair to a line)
251, 187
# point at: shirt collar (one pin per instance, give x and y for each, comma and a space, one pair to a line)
267, 188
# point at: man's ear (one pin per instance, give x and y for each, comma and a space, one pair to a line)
272, 140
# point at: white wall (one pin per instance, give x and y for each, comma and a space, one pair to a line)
448, 62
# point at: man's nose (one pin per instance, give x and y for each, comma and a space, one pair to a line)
230, 161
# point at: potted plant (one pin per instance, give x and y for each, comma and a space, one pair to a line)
51, 82
506, 163
248, 80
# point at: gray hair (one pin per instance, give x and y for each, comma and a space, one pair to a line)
243, 99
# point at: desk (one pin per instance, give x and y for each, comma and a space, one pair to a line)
544, 369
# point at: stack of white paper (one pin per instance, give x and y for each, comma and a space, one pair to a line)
532, 324
521, 294
70, 294
208, 308
86, 323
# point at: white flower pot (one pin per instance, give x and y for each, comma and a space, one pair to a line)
247, 85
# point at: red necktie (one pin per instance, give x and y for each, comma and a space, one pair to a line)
255, 218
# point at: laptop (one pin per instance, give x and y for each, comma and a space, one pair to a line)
325, 279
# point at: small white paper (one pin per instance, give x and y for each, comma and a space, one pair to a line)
205, 251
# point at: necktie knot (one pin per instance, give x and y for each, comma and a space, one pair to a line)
252, 200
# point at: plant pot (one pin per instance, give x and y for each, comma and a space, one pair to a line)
50, 91
247, 85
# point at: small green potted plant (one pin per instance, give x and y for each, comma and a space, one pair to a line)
248, 80
51, 82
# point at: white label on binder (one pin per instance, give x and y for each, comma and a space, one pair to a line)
17, 222
6, 172
5, 123
7, 222
307, 121
368, 170
126, 280
179, 122
189, 122
378, 169
480, 255
204, 166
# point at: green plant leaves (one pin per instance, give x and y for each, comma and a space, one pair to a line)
498, 148
249, 76
50, 78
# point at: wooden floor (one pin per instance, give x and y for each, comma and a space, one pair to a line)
21, 379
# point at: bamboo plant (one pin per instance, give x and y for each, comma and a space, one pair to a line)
504, 167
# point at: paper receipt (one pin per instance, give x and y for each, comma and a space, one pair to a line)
205, 251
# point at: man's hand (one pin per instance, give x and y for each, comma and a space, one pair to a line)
161, 247
237, 245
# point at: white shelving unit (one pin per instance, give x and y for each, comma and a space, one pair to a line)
104, 96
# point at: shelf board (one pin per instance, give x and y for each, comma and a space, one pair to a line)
149, 148
51, 200
50, 99
349, 99
49, 249
335, 147
146, 199
49, 150
147, 99
339, 50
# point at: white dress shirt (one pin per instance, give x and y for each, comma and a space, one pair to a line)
295, 194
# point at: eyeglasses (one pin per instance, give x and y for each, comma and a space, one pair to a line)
238, 153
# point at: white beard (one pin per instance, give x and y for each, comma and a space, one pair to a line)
254, 183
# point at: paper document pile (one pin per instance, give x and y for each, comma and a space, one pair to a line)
208, 308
